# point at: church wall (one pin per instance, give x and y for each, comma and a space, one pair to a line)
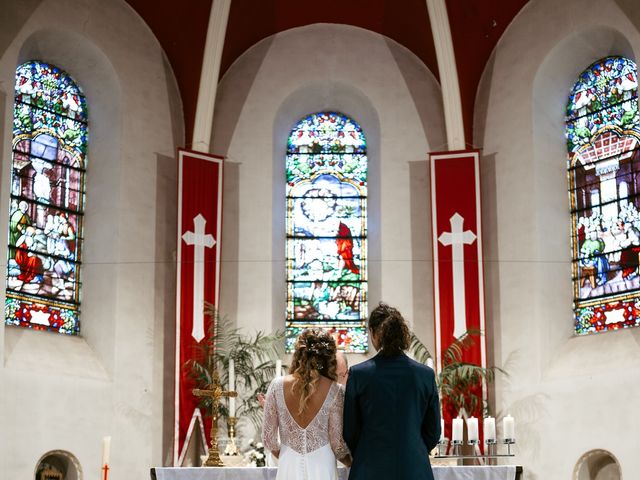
64, 392
568, 394
397, 102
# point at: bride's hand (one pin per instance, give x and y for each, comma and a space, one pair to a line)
346, 461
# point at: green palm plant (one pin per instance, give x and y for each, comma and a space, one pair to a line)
254, 359
459, 383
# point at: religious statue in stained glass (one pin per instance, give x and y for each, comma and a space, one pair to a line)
47, 200
326, 175
603, 131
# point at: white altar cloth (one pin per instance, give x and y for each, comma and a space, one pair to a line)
499, 472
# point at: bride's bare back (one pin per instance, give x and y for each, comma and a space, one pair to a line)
315, 402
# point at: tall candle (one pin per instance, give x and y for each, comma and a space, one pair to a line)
441, 429
232, 387
472, 429
508, 427
457, 430
278, 368
106, 450
489, 427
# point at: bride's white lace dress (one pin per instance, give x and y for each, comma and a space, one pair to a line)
305, 453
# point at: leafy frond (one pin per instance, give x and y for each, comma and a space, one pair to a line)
418, 349
459, 382
254, 359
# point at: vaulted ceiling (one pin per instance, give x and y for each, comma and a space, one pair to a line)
181, 27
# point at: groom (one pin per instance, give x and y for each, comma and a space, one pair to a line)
391, 410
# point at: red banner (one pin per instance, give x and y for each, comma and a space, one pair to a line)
457, 257
198, 272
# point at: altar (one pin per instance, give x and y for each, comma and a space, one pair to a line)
497, 472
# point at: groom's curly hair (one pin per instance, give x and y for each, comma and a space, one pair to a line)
314, 356
390, 328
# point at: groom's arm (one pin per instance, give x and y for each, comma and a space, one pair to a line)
431, 420
351, 423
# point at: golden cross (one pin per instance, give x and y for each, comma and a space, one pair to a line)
215, 392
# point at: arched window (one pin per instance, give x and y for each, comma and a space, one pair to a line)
326, 174
602, 131
47, 200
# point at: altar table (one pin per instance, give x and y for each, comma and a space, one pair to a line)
499, 472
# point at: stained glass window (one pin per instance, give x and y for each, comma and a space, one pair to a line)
47, 200
326, 174
602, 129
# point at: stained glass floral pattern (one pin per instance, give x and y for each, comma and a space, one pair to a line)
326, 174
47, 200
603, 130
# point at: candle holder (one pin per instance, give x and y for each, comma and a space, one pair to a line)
490, 456
442, 446
491, 450
457, 447
231, 448
508, 442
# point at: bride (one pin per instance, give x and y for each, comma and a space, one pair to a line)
305, 409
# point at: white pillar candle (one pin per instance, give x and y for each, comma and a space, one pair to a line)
278, 368
232, 387
430, 362
106, 450
508, 427
472, 429
456, 435
441, 429
489, 427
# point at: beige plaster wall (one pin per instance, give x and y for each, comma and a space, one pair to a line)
66, 393
568, 394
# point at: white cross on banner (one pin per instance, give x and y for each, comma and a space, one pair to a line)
199, 240
457, 239
457, 256
198, 279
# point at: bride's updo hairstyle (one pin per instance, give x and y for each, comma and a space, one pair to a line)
314, 356
387, 324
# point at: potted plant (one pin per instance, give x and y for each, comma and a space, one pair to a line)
254, 358
459, 383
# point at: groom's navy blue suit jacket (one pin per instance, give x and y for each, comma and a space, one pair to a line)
391, 419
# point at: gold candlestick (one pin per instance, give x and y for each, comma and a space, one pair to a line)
232, 448
215, 392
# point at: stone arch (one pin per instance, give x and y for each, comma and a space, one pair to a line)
597, 464
62, 461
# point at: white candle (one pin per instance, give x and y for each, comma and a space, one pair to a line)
278, 368
232, 387
472, 429
489, 427
430, 362
106, 450
441, 429
508, 427
457, 430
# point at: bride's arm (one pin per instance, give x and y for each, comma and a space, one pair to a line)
338, 445
270, 422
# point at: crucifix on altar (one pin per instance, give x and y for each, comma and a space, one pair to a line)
215, 392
